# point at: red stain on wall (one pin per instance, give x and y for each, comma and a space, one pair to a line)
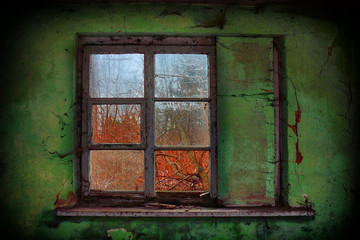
68, 202
294, 128
299, 157
298, 114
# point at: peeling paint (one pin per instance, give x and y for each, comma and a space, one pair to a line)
294, 128
68, 202
120, 234
37, 75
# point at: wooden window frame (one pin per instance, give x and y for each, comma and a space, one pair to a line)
130, 204
149, 46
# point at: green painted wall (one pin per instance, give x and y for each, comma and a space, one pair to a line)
320, 58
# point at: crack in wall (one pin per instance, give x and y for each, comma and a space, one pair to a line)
329, 54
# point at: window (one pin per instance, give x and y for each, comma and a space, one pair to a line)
147, 128
148, 121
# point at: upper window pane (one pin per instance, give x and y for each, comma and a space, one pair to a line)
181, 76
116, 75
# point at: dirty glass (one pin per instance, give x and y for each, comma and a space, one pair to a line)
181, 170
182, 123
181, 76
116, 123
116, 75
117, 170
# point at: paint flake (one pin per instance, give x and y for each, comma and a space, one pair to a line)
68, 202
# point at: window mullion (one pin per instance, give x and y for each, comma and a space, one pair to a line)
213, 126
150, 126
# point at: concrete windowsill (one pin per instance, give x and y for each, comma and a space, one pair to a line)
187, 212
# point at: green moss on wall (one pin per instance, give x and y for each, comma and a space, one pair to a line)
37, 117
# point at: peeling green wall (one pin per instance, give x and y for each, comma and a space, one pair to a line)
320, 58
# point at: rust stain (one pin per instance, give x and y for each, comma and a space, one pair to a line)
299, 157
298, 114
294, 128
330, 51
267, 91
68, 202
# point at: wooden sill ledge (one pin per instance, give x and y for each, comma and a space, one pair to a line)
186, 212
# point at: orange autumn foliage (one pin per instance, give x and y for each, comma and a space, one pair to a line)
123, 170
116, 124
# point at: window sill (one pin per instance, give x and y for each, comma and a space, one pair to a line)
187, 212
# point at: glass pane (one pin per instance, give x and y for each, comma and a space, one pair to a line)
117, 170
182, 123
116, 123
116, 75
181, 170
181, 75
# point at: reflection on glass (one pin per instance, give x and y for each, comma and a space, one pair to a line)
181, 75
116, 123
117, 170
116, 75
182, 123
181, 170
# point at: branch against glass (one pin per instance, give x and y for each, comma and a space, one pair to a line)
116, 123
181, 170
181, 76
181, 124
117, 170
116, 75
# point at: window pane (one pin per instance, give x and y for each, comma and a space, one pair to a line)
116, 75
181, 170
182, 123
116, 123
117, 170
181, 75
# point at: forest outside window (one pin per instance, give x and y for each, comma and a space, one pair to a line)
148, 121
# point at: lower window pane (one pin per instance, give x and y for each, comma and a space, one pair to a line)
117, 170
181, 170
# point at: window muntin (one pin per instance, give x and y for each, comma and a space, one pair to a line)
109, 108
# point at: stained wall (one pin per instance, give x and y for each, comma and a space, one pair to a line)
319, 78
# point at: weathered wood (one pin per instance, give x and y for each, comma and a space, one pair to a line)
187, 212
145, 40
150, 123
149, 46
183, 99
277, 120
116, 101
213, 125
